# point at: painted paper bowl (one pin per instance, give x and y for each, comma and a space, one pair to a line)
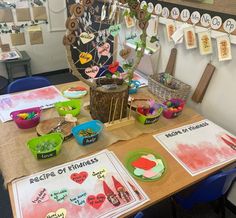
174, 108
134, 155
69, 107
26, 123
149, 119
133, 86
74, 92
46, 146
88, 132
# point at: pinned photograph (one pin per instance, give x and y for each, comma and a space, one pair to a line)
170, 29
190, 38
129, 21
224, 48
205, 43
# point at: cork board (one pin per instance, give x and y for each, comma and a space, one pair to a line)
226, 6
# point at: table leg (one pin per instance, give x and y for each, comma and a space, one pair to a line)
9, 72
28, 69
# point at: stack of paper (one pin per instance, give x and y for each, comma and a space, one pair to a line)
95, 186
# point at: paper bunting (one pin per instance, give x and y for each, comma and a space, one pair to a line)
129, 21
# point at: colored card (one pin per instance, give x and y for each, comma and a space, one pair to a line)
205, 43
39, 13
18, 39
23, 14
129, 21
36, 37
170, 29
190, 38
200, 146
224, 48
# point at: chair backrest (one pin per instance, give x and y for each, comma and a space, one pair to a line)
27, 84
213, 187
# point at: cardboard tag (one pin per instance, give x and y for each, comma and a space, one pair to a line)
96, 201
61, 213
85, 57
79, 200
78, 10
86, 37
92, 71
224, 48
69, 40
59, 196
79, 177
72, 24
115, 29
190, 38
205, 44
104, 50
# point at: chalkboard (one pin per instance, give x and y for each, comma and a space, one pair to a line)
100, 30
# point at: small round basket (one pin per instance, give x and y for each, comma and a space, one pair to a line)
26, 123
174, 108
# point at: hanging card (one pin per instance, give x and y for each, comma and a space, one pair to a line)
23, 14
18, 39
224, 48
36, 37
190, 38
205, 44
6, 15
129, 21
170, 29
40, 13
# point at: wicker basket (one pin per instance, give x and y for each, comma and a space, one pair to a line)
181, 90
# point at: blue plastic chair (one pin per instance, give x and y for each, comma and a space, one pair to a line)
139, 215
212, 188
27, 84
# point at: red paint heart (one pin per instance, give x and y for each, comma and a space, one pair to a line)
113, 67
79, 177
143, 163
96, 201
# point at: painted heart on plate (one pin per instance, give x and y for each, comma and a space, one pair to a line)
100, 174
86, 37
114, 30
113, 67
59, 196
40, 196
85, 57
96, 201
143, 163
104, 50
92, 71
79, 199
79, 177
60, 213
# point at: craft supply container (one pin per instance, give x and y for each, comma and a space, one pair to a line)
172, 114
150, 119
95, 125
163, 92
26, 124
56, 138
74, 103
133, 86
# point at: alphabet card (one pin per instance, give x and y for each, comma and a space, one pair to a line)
95, 186
224, 48
205, 44
200, 146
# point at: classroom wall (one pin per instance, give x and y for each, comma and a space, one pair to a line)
46, 57
219, 103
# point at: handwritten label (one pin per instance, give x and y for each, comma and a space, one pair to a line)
85, 57
104, 50
86, 37
100, 174
195, 17
229, 25
61, 213
216, 23
79, 177
206, 20
92, 71
59, 196
151, 120
114, 30
79, 200
175, 13
40, 196
96, 201
185, 15
89, 140
46, 155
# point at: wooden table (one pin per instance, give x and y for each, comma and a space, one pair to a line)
176, 177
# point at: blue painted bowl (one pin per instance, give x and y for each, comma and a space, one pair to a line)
95, 125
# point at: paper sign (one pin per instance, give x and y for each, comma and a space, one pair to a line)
216, 23
165, 12
153, 27
61, 213
205, 44
85, 57
18, 39
86, 37
36, 37
224, 48
175, 13
190, 38
6, 15
158, 9
40, 13
23, 14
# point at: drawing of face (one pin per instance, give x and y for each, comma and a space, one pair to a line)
113, 200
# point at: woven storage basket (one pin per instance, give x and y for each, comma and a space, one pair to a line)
165, 93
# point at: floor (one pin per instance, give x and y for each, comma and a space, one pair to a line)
161, 210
